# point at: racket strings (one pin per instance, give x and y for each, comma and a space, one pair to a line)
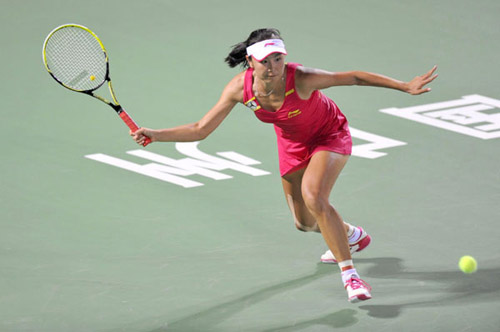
75, 57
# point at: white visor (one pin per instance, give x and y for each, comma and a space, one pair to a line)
263, 48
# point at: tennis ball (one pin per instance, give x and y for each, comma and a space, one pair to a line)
467, 264
92, 77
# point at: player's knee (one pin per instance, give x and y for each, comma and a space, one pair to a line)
315, 202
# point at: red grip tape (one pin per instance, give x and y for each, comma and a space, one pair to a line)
132, 125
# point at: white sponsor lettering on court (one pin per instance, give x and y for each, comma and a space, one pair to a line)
472, 115
376, 142
200, 163
174, 171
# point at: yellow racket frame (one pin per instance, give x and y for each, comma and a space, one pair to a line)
44, 56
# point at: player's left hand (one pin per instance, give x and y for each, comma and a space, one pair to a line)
417, 85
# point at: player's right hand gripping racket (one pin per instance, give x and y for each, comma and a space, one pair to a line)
76, 58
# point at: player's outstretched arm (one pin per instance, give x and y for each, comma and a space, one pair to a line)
232, 94
310, 79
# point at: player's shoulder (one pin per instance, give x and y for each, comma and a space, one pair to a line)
234, 89
239, 79
237, 82
301, 72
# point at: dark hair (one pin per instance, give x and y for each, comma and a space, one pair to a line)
239, 51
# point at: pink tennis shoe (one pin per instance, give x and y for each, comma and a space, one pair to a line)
357, 290
363, 242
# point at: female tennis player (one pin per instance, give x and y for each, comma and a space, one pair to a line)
314, 142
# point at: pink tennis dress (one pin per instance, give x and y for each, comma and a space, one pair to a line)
303, 127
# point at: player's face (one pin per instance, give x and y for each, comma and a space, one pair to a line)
270, 68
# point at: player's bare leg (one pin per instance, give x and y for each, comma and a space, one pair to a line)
304, 220
312, 211
317, 183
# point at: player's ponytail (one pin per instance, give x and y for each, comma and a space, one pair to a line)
237, 56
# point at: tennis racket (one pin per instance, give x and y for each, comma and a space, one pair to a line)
76, 58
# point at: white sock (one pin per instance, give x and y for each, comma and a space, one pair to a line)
348, 274
355, 235
350, 230
346, 263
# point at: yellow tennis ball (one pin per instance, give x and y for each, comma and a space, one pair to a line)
467, 264
92, 77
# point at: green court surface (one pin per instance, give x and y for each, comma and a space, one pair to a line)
90, 246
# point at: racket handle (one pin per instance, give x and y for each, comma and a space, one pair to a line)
132, 125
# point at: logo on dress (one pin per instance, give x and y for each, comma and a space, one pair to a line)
292, 114
252, 104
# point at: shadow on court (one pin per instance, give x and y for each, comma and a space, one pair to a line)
211, 317
341, 318
456, 288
